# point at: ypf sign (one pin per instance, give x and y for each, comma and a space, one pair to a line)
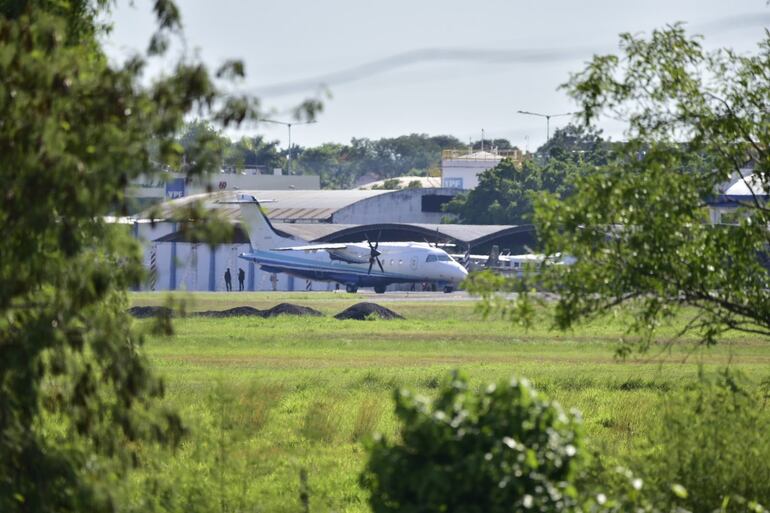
175, 188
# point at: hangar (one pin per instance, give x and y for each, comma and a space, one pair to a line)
334, 206
177, 262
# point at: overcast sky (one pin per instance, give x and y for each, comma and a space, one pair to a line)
435, 67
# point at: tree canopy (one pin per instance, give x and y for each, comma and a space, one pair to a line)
637, 225
506, 192
76, 390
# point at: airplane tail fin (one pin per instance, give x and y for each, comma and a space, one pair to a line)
261, 232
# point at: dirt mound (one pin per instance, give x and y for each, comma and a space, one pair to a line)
290, 309
145, 312
364, 311
238, 311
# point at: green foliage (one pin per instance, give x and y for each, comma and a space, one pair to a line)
505, 448
252, 152
78, 397
578, 143
636, 225
339, 166
711, 441
504, 194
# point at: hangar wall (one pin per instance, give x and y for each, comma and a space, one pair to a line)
198, 267
403, 206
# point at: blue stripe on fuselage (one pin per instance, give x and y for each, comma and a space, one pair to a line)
315, 269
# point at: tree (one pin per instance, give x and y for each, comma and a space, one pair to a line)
203, 145
577, 142
339, 166
253, 152
636, 226
505, 192
76, 391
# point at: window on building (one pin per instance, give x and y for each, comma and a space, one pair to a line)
434, 202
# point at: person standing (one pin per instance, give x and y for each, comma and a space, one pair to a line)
241, 277
228, 280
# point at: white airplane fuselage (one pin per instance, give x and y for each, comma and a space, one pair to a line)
357, 264
402, 262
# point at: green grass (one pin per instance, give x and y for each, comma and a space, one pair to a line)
265, 398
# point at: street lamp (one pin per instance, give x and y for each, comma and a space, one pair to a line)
288, 125
547, 120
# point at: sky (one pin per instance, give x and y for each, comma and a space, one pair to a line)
422, 66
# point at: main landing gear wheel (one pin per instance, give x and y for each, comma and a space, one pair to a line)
379, 289
448, 289
351, 288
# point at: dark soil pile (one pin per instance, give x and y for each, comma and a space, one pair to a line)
363, 311
238, 311
145, 312
290, 309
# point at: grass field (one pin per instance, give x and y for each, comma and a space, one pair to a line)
264, 398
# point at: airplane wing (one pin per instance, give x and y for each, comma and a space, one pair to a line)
313, 247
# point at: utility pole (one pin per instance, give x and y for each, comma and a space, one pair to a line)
288, 125
547, 120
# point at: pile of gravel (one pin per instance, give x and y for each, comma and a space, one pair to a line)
145, 312
238, 311
290, 309
364, 311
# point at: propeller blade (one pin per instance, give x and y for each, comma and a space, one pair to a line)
377, 242
380, 264
371, 263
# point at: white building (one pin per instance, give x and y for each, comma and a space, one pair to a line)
460, 169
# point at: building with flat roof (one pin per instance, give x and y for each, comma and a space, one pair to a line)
460, 169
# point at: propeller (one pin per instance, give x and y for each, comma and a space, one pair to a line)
373, 253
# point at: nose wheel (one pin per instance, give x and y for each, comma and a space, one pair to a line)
351, 288
379, 289
448, 289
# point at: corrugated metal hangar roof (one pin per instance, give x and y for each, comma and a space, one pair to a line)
286, 205
461, 235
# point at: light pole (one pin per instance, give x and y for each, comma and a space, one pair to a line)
288, 125
547, 120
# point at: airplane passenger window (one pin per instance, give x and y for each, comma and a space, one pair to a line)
400, 261
431, 258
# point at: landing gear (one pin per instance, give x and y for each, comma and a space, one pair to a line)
379, 289
448, 289
351, 288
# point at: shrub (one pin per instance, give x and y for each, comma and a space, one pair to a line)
506, 448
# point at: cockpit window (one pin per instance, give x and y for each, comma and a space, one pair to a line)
431, 258
438, 258
444, 258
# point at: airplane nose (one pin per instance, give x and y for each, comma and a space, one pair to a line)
460, 273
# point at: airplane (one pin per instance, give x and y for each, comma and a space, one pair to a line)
351, 264
508, 264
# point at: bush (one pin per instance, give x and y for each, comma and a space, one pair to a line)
506, 448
